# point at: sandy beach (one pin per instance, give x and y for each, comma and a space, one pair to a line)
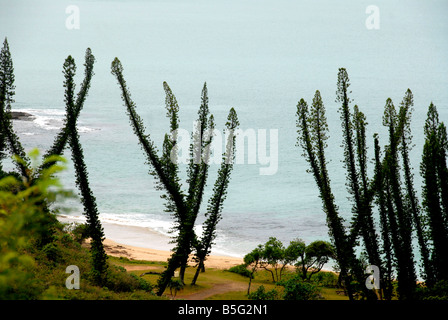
138, 253
140, 243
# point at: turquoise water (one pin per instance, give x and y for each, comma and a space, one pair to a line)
259, 57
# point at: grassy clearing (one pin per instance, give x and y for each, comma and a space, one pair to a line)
217, 284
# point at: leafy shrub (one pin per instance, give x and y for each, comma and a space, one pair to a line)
52, 252
241, 270
23, 222
175, 285
437, 292
66, 239
326, 279
79, 231
262, 294
120, 281
142, 283
297, 289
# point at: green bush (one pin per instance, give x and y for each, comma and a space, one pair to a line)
120, 281
52, 252
24, 222
262, 294
175, 285
142, 283
437, 292
79, 231
326, 279
297, 289
241, 269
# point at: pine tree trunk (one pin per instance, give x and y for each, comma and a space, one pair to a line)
196, 275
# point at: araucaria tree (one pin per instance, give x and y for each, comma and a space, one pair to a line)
215, 205
396, 200
8, 138
357, 180
61, 139
183, 205
400, 219
95, 230
434, 171
312, 137
381, 200
411, 201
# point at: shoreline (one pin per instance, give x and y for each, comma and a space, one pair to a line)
143, 243
140, 243
147, 254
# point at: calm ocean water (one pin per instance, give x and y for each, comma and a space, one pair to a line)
259, 57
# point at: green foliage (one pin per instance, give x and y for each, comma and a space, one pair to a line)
62, 137
79, 231
241, 269
362, 220
88, 200
411, 201
252, 261
314, 257
7, 88
175, 285
438, 291
398, 216
8, 138
399, 210
184, 206
291, 289
119, 280
23, 220
434, 170
326, 279
215, 204
28, 271
312, 134
297, 289
67, 133
51, 251
262, 294
274, 257
382, 203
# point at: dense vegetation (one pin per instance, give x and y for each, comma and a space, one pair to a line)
399, 214
386, 213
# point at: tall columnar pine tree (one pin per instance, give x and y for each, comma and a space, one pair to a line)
174, 196
6, 94
385, 227
183, 206
9, 141
411, 200
400, 219
312, 136
99, 257
360, 191
215, 204
61, 139
8, 138
433, 169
